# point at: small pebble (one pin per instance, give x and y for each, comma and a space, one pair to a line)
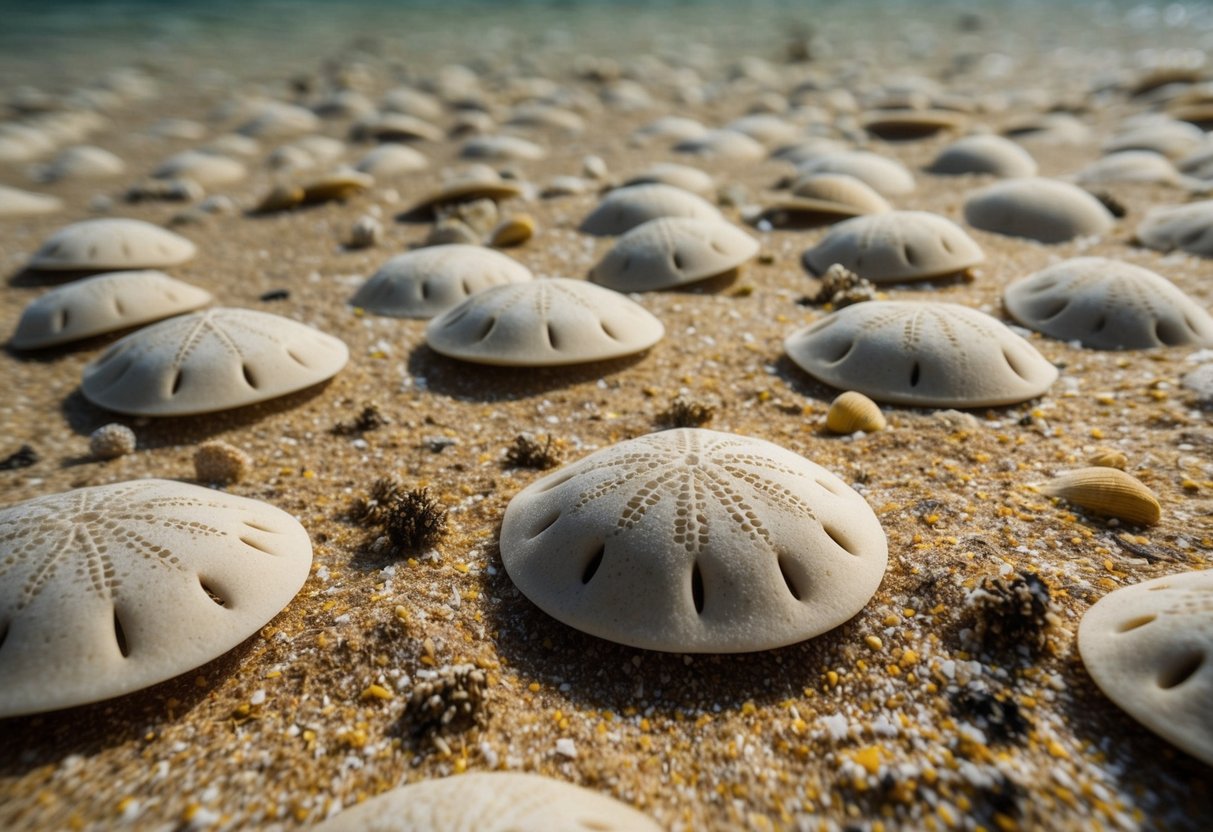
111, 441
367, 232
221, 463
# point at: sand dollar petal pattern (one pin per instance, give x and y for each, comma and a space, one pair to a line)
1185, 227
921, 353
625, 208
111, 244
1046, 210
544, 323
110, 589
693, 540
429, 281
1109, 305
673, 251
1149, 648
101, 304
896, 246
490, 802
985, 153
208, 361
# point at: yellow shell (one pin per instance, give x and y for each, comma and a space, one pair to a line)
281, 198
512, 231
340, 185
853, 411
1108, 458
1109, 492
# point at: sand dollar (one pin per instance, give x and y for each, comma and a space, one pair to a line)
1129, 166
476, 182
673, 251
111, 589
1046, 210
490, 802
428, 281
984, 154
108, 244
1159, 134
391, 159
693, 540
887, 176
723, 144
15, 202
920, 353
1149, 647
1185, 227
544, 323
395, 127
207, 169
679, 176
623, 209
101, 304
277, 119
895, 246
83, 162
412, 102
668, 128
766, 128
212, 360
502, 148
1109, 305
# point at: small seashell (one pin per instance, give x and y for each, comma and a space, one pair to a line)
1107, 491
220, 462
1108, 458
337, 186
280, 198
854, 411
452, 231
111, 441
367, 232
512, 231
593, 167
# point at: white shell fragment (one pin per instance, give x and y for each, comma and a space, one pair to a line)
490, 802
623, 209
1047, 210
101, 304
109, 244
986, 153
921, 353
673, 251
1149, 647
111, 589
429, 281
208, 361
693, 540
1185, 227
895, 246
1108, 305
543, 323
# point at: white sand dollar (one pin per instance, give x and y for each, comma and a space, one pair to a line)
1108, 305
391, 159
1185, 227
412, 102
111, 589
842, 191
395, 127
623, 209
490, 802
1149, 647
83, 162
477, 182
895, 246
1046, 210
429, 281
277, 119
668, 128
101, 304
723, 144
544, 323
673, 251
108, 244
694, 540
1159, 134
767, 128
679, 176
502, 148
209, 170
986, 153
887, 176
1129, 166
15, 202
921, 353
211, 360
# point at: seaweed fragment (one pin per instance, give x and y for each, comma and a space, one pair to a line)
685, 413
527, 452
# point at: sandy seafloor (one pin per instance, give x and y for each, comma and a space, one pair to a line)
833, 733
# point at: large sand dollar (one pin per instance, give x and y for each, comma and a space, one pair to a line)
1149, 647
108, 244
985, 153
1046, 210
490, 802
895, 246
110, 589
694, 540
1108, 305
673, 251
921, 353
544, 323
625, 208
101, 304
208, 361
429, 281
1185, 227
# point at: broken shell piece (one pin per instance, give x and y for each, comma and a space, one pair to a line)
220, 463
512, 231
479, 182
429, 281
623, 209
984, 154
896, 246
367, 232
673, 251
1107, 491
853, 411
111, 244
1108, 458
1046, 210
1185, 227
337, 186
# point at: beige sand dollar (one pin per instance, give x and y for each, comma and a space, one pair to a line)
1149, 647
921, 353
15, 202
888, 177
429, 281
110, 244
723, 144
101, 304
395, 127
209, 170
412, 102
986, 153
212, 360
390, 160
1108, 305
543, 323
83, 162
490, 802
111, 589
673, 251
1046, 210
693, 540
896, 246
679, 176
502, 148
1159, 134
277, 119
623, 209
1129, 166
668, 128
822, 198
476, 182
1185, 227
